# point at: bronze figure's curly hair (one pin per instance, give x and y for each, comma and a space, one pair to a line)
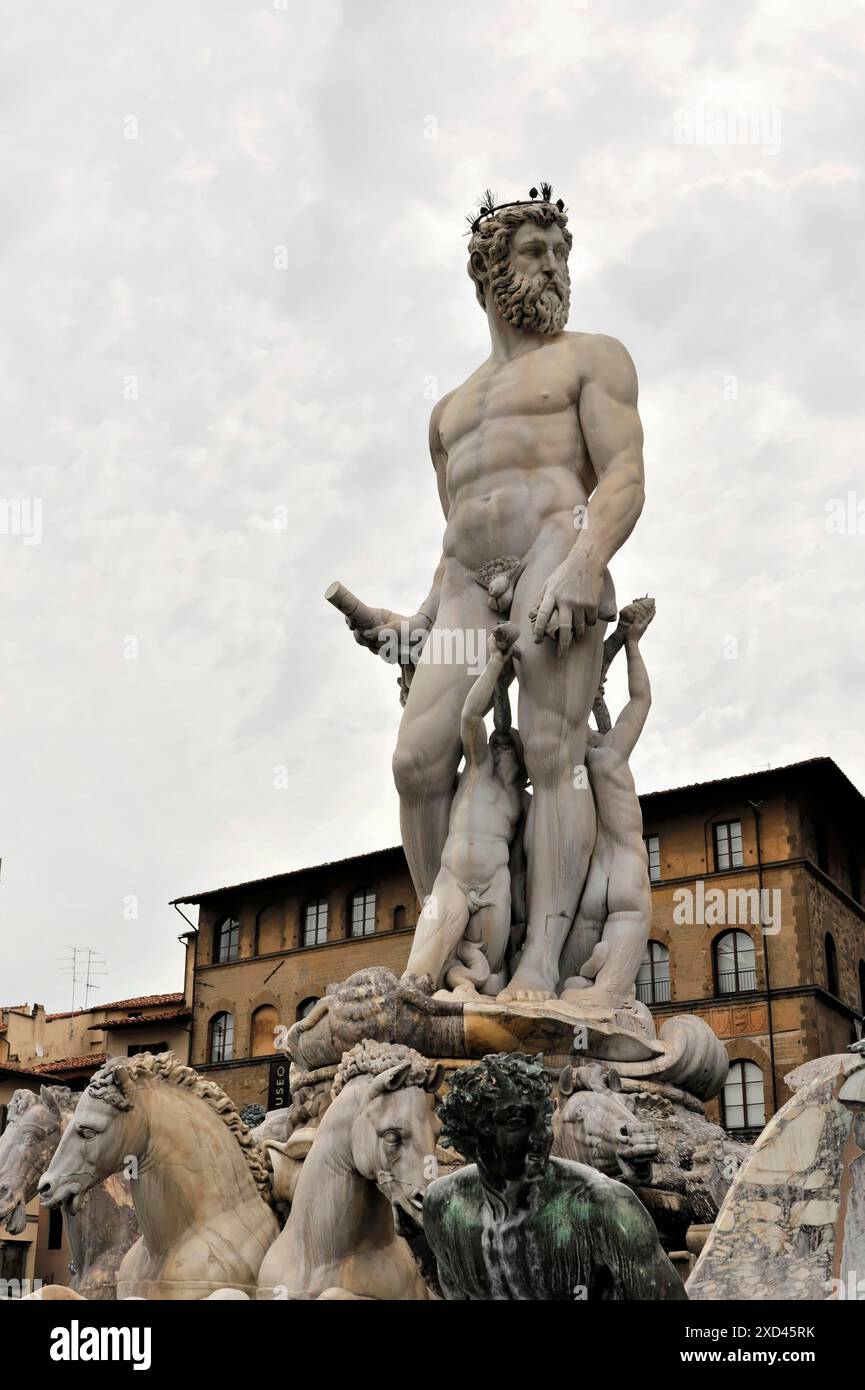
478, 1092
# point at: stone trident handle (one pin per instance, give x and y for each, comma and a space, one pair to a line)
350, 605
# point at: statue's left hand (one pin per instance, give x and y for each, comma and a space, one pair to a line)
569, 601
636, 616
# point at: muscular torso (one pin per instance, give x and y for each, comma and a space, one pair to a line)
516, 456
616, 803
484, 816
618, 879
582, 1236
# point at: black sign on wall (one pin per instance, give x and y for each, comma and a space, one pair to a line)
277, 1087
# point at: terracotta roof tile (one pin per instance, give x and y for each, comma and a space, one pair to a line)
138, 1020
24, 1069
94, 1059
144, 1001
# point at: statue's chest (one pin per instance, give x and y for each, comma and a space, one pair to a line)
511, 1258
534, 386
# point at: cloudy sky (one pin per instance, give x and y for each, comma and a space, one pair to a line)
233, 271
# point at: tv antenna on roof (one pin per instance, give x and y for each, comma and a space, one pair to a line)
84, 965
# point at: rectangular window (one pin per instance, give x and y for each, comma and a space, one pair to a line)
362, 914
315, 923
728, 845
653, 850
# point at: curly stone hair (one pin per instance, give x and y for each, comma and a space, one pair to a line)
370, 1058
478, 1092
492, 240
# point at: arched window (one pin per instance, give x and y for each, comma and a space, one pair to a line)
268, 930
653, 976
262, 1036
735, 962
306, 1006
361, 918
398, 918
743, 1104
315, 923
221, 1038
831, 965
862, 985
226, 939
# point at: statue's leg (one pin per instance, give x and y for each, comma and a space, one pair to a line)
428, 748
493, 923
439, 929
588, 923
556, 695
617, 960
626, 930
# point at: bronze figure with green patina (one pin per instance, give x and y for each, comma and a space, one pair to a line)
515, 1223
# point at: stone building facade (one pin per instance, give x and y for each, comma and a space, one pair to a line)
45, 1049
758, 926
264, 951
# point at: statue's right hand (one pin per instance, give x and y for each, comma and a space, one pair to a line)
390, 635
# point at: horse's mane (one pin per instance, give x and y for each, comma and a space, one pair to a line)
110, 1084
369, 1058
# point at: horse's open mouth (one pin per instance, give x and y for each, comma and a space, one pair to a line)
71, 1203
14, 1218
635, 1170
408, 1220
68, 1196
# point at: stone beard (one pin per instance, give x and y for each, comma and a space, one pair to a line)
537, 303
534, 303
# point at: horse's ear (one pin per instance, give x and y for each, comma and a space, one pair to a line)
614, 1081
21, 1101
49, 1100
391, 1080
594, 1076
435, 1077
118, 1066
566, 1080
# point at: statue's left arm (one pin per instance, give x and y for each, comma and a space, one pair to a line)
611, 428
500, 646
630, 723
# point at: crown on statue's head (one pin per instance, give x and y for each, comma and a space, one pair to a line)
489, 207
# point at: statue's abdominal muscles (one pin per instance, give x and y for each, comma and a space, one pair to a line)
516, 460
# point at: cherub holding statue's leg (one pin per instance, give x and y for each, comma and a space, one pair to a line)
618, 892
474, 879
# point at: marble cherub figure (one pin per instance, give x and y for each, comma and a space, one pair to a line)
464, 931
606, 944
516, 1223
538, 459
